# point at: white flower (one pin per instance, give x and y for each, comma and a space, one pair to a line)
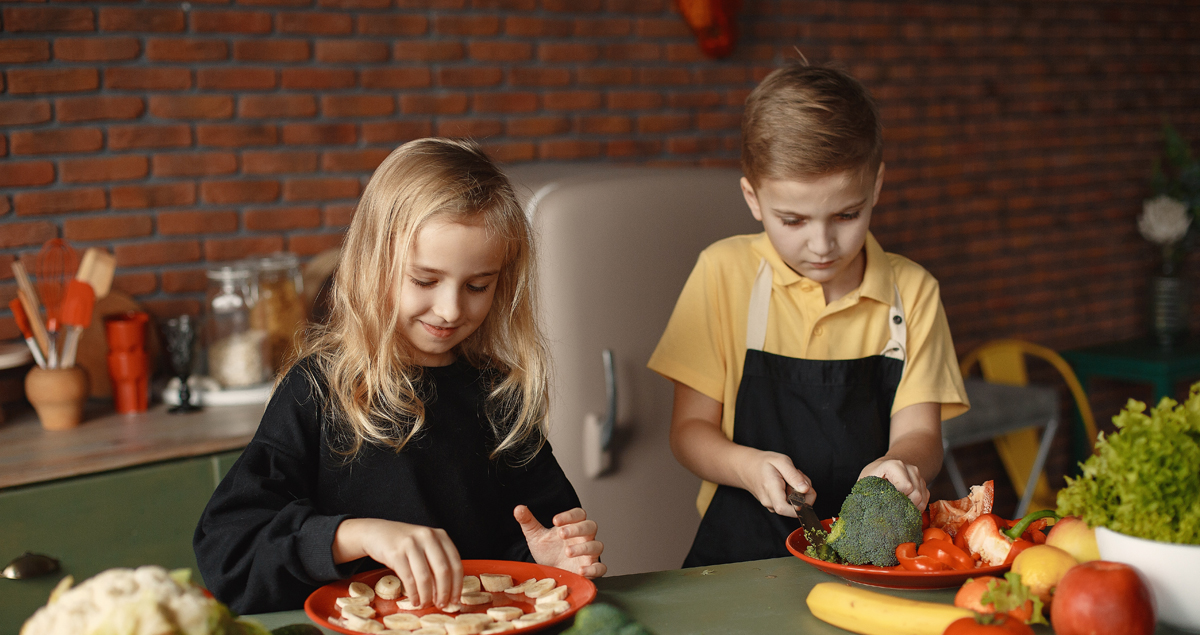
1164, 220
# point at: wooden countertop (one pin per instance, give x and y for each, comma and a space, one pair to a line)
109, 441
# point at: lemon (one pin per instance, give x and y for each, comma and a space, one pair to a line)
1041, 567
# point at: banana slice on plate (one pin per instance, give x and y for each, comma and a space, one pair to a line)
556, 607
499, 627
476, 598
358, 610
452, 608
520, 588
435, 619
402, 621
353, 599
407, 604
505, 613
362, 625
469, 627
556, 594
529, 619
471, 584
388, 587
494, 582
358, 589
541, 587
429, 630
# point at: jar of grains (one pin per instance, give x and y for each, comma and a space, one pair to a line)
279, 309
237, 355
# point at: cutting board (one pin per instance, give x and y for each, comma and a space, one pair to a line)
93, 347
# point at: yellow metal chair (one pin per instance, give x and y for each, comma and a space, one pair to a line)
1003, 362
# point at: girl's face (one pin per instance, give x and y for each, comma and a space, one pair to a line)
445, 290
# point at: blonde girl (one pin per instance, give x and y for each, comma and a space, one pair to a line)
410, 432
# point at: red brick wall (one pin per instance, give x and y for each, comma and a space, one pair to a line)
1020, 135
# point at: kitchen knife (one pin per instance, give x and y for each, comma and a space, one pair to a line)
813, 530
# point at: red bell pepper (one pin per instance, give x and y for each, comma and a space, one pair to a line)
945, 552
906, 553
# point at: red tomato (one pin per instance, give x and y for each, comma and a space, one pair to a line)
988, 625
972, 590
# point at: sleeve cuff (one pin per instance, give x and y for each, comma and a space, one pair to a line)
315, 546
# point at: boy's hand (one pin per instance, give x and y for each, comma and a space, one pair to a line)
424, 558
765, 475
570, 545
905, 477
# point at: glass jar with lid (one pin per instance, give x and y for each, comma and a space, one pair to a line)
279, 309
236, 349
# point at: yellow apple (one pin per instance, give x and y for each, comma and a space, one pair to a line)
1073, 536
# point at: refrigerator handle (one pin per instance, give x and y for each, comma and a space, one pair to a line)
598, 430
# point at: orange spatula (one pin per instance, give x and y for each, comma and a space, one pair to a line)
23, 323
76, 313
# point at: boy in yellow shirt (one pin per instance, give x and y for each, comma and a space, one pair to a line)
805, 356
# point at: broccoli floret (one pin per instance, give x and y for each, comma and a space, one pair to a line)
824, 552
874, 520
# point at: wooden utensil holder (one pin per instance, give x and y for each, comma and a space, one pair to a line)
57, 395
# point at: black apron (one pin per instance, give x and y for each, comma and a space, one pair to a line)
832, 417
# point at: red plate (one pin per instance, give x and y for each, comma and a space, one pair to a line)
322, 604
896, 577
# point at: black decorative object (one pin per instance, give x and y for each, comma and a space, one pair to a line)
180, 335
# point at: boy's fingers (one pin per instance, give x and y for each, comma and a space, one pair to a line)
579, 529
589, 548
594, 570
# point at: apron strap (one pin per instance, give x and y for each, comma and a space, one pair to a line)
760, 307
897, 347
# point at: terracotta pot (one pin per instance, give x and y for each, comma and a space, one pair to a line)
57, 395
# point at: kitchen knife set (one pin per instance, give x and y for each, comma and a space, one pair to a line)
66, 288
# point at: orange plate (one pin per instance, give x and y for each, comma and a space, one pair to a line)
896, 577
322, 604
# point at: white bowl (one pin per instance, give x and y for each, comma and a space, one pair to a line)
1171, 569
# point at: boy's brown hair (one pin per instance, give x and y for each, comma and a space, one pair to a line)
804, 121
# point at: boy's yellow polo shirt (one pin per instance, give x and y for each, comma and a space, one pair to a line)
704, 345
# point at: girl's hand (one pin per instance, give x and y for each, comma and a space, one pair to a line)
765, 475
424, 558
905, 477
571, 544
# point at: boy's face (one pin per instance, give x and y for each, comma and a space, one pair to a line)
818, 226
446, 289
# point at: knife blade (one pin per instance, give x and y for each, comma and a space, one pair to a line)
808, 518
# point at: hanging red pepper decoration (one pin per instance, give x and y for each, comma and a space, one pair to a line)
714, 22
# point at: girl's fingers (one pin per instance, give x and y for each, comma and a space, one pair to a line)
594, 570
586, 528
570, 516
590, 548
422, 576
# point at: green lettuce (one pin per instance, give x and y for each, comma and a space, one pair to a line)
1144, 479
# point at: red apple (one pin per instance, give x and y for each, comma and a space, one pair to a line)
1102, 598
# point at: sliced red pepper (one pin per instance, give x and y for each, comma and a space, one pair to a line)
933, 533
906, 553
1018, 546
945, 552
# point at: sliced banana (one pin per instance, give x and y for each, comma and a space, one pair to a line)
395, 631
556, 607
389, 587
407, 604
353, 599
529, 619
482, 618
476, 598
435, 619
358, 589
452, 608
363, 611
430, 630
464, 628
554, 595
494, 582
499, 627
470, 583
505, 613
541, 587
362, 625
520, 588
402, 621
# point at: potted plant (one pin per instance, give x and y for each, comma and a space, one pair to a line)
1141, 491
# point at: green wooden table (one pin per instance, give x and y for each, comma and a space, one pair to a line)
1140, 360
764, 596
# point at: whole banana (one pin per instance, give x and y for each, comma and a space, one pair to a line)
870, 613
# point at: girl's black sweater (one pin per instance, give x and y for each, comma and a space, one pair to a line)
264, 542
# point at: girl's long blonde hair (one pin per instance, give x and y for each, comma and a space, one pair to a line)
367, 367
